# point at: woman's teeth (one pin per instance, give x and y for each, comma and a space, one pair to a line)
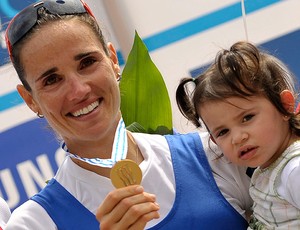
86, 110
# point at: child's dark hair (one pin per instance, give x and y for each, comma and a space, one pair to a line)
241, 71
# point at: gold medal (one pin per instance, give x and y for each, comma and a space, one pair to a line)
125, 172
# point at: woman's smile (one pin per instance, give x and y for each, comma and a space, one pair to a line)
86, 110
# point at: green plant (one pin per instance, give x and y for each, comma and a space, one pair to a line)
145, 102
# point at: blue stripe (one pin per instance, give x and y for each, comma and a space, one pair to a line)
7, 8
174, 34
10, 100
120, 58
203, 23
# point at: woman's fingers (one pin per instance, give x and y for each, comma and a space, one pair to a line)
114, 197
133, 206
141, 222
136, 217
127, 208
139, 215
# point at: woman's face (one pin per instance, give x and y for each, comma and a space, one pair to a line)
74, 83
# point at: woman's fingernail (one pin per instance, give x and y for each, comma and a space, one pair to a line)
139, 189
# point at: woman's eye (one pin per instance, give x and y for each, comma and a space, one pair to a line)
52, 79
87, 62
248, 117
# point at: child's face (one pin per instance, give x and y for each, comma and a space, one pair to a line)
249, 132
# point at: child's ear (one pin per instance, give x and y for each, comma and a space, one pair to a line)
287, 100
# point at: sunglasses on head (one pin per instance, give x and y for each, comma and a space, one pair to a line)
24, 21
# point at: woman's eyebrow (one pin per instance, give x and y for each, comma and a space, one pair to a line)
82, 55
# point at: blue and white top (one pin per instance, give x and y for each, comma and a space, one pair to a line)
184, 187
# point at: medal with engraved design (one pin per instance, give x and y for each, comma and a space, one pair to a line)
124, 173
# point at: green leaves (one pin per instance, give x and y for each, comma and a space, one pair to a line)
145, 102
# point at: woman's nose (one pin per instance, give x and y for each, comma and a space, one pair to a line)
77, 87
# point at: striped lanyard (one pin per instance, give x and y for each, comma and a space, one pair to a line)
119, 151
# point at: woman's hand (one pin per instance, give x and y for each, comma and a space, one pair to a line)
127, 208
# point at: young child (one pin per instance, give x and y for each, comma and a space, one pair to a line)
246, 101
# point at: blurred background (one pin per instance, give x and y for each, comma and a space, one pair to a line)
182, 37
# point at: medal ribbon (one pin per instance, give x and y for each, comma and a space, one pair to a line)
119, 151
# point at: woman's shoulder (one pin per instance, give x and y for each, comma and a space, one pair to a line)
145, 139
160, 141
30, 215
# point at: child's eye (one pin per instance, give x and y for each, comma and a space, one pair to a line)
222, 132
248, 117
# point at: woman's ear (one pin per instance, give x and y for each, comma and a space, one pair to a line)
113, 56
287, 100
27, 97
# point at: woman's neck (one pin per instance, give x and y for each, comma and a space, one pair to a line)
133, 153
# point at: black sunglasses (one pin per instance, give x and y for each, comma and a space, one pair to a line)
24, 21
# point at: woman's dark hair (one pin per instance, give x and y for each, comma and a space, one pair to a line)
44, 18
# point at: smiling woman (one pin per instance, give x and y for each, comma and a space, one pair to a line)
73, 84
70, 76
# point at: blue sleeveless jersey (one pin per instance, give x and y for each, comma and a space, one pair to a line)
198, 203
